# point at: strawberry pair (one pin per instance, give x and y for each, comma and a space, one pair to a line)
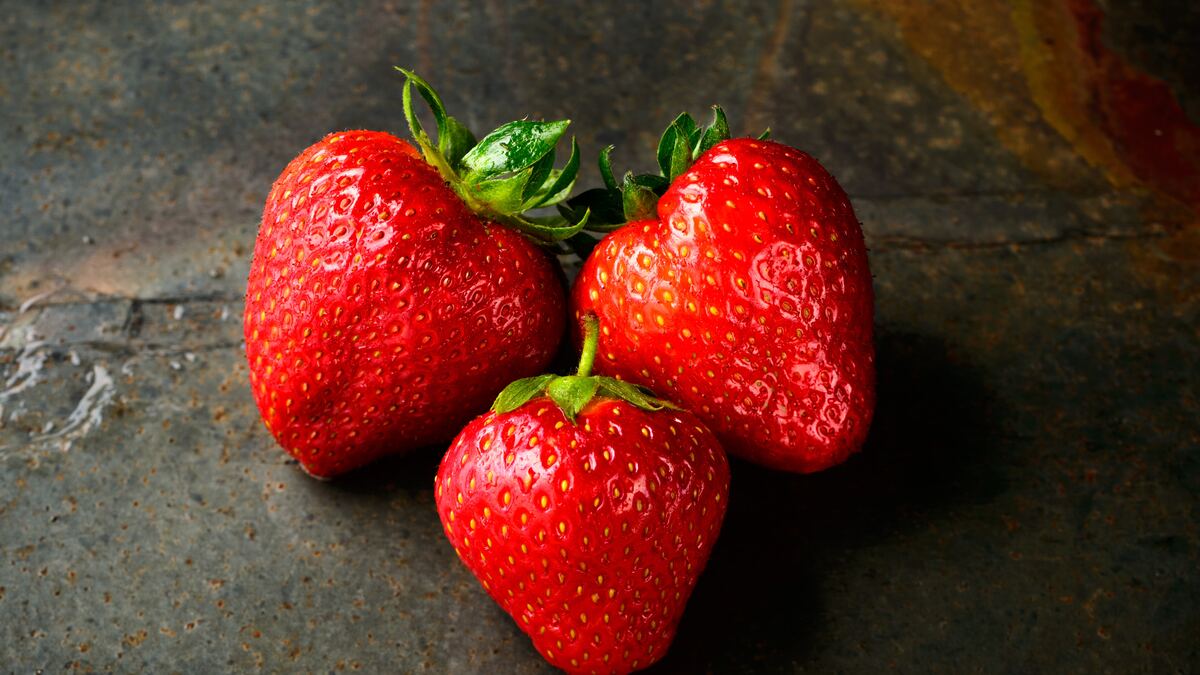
396, 291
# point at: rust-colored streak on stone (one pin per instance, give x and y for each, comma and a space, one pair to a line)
1119, 119
1053, 65
766, 70
1148, 127
977, 51
424, 51
1041, 72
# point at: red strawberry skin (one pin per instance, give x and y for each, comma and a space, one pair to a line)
381, 313
591, 535
748, 301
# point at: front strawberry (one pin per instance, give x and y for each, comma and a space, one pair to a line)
587, 510
391, 296
743, 293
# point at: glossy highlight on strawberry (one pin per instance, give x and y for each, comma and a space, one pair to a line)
745, 296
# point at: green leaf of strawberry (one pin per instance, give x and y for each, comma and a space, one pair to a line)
454, 139
715, 132
681, 144
606, 172
507, 172
517, 393
572, 393
512, 147
556, 185
637, 199
675, 146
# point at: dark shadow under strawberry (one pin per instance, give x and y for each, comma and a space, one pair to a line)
783, 555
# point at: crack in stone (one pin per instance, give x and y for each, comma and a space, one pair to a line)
134, 299
129, 329
949, 195
135, 320
885, 244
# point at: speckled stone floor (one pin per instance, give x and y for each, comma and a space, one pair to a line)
1027, 177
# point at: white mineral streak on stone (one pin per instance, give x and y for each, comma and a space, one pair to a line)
89, 412
30, 360
28, 304
178, 312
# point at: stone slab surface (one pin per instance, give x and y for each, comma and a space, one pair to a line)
1029, 499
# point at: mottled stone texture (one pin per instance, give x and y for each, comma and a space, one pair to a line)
1029, 499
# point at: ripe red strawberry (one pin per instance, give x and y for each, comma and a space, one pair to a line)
587, 510
391, 297
743, 293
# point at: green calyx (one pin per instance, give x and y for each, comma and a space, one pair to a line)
572, 392
504, 174
635, 197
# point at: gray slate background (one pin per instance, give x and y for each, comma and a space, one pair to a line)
1028, 501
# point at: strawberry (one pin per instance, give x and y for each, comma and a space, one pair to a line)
743, 293
587, 509
394, 292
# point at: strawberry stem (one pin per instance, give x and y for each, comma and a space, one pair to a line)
591, 338
572, 392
